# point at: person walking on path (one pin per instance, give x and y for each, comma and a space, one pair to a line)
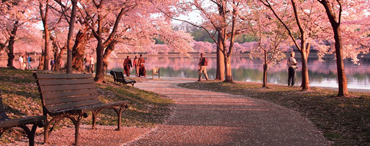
292, 64
136, 65
29, 60
20, 59
127, 65
92, 63
141, 61
52, 63
202, 67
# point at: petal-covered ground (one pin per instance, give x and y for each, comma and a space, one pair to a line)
203, 118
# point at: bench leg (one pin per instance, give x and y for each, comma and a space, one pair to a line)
31, 136
47, 125
119, 115
30, 133
94, 116
77, 130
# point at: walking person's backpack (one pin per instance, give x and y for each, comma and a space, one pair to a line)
205, 62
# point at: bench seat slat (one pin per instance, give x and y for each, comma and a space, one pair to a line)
20, 121
52, 95
69, 87
65, 82
83, 109
63, 76
71, 105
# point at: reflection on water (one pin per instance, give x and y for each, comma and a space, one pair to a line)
245, 69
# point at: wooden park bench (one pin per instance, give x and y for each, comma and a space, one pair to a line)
7, 123
120, 78
72, 96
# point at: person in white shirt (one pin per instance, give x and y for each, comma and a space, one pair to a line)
292, 64
20, 59
92, 62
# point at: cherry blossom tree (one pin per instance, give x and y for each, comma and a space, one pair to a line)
44, 15
223, 21
203, 47
15, 16
125, 21
355, 15
58, 49
271, 38
301, 21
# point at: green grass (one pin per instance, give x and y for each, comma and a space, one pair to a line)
345, 121
21, 98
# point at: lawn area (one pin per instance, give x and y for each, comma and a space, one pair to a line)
345, 121
21, 98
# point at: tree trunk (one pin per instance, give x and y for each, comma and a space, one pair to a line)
44, 18
11, 46
305, 78
41, 62
47, 50
264, 84
58, 59
69, 40
229, 75
108, 51
78, 49
342, 79
220, 72
99, 76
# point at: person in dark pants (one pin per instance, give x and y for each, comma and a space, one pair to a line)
202, 67
292, 64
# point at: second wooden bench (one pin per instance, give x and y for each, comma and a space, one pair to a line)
72, 96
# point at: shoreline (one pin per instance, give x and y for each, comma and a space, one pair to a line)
330, 88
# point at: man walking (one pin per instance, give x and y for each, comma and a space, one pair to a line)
142, 70
126, 66
292, 64
29, 60
202, 67
92, 63
20, 59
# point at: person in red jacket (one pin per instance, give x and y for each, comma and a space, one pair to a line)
127, 65
141, 61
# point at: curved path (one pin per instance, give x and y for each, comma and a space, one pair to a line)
210, 118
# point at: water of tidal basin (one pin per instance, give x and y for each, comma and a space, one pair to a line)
321, 74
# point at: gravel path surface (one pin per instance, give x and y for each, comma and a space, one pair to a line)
209, 118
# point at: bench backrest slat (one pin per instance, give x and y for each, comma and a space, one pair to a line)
66, 94
63, 76
120, 75
72, 105
56, 101
66, 82
2, 109
64, 91
69, 87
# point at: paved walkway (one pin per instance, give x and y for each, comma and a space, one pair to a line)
209, 118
